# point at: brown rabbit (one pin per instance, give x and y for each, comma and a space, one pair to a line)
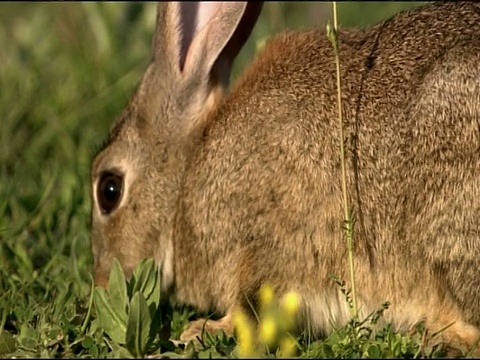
231, 190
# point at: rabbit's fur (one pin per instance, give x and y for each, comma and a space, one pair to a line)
229, 191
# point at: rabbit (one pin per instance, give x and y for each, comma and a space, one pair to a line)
231, 187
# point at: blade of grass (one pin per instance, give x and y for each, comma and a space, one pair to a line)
348, 223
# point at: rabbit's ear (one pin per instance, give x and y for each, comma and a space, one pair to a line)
200, 40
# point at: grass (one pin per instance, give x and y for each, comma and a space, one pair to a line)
67, 71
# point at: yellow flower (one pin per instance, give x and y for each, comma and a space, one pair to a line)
245, 334
266, 296
291, 303
288, 347
268, 330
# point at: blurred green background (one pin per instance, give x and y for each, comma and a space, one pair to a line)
66, 71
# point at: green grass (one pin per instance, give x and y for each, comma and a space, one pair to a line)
66, 71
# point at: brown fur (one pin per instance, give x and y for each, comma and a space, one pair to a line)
250, 193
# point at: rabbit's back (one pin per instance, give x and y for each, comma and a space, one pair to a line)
263, 189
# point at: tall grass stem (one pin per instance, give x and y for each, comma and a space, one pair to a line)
332, 34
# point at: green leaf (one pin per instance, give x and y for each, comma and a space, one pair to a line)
63, 299
117, 291
111, 323
374, 352
88, 342
327, 351
120, 352
145, 277
210, 353
93, 351
153, 299
138, 327
7, 343
28, 337
173, 355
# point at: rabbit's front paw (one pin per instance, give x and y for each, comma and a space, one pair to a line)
196, 329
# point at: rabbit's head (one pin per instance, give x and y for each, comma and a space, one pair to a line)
136, 177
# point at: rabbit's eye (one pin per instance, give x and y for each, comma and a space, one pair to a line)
109, 192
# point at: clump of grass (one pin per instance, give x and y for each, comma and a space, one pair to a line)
130, 313
133, 322
372, 337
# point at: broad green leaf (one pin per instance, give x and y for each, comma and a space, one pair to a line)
173, 355
145, 277
209, 353
153, 299
120, 352
138, 326
117, 291
93, 351
374, 352
7, 343
111, 323
28, 337
88, 342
